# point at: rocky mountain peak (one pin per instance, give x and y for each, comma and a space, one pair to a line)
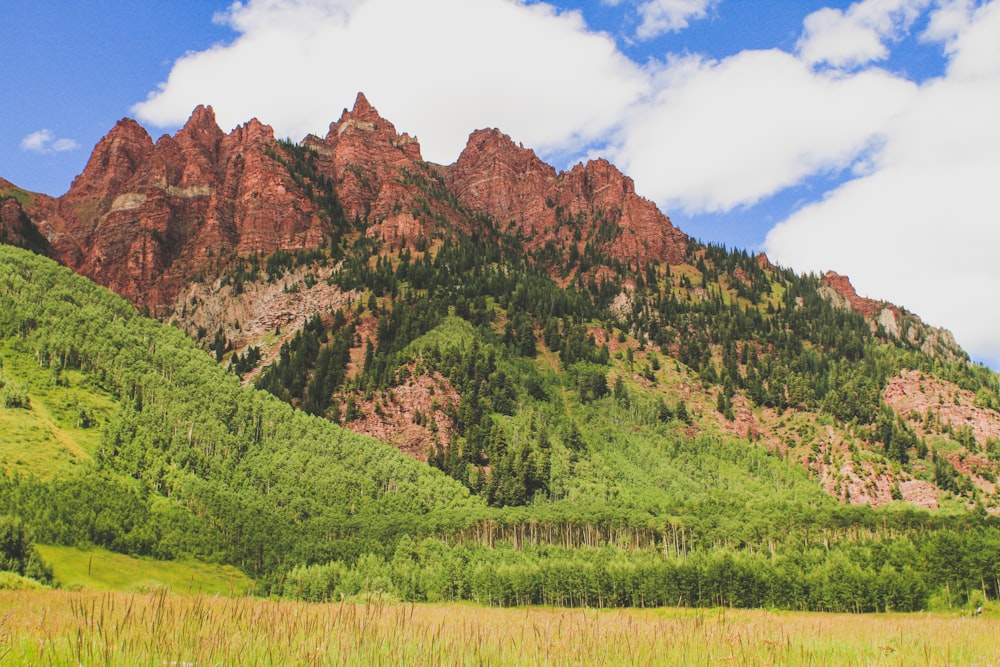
497, 177
597, 176
490, 148
202, 120
364, 123
253, 132
842, 286
115, 159
200, 140
365, 154
363, 110
500, 178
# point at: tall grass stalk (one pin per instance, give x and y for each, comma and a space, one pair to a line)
65, 628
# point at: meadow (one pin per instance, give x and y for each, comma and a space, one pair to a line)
92, 628
98, 569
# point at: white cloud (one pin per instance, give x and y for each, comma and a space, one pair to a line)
916, 224
948, 20
969, 33
857, 36
45, 141
439, 68
922, 228
662, 16
717, 135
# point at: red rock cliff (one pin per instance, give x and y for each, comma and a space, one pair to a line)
145, 217
496, 177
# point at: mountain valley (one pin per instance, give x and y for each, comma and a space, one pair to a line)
489, 361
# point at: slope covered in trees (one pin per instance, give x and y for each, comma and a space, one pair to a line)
191, 463
723, 342
602, 497
593, 391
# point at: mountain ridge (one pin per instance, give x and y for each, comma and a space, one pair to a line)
255, 246
142, 215
130, 176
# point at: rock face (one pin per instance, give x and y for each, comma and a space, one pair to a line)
145, 218
901, 325
16, 227
591, 204
931, 405
843, 287
364, 154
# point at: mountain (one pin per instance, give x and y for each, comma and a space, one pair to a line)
438, 307
141, 444
144, 218
593, 407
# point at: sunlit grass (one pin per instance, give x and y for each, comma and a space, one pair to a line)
46, 438
101, 570
55, 627
452, 331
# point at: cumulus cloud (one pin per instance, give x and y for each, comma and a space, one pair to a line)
45, 141
921, 229
948, 20
720, 134
969, 34
915, 223
439, 68
658, 17
858, 35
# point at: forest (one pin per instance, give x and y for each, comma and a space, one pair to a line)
578, 426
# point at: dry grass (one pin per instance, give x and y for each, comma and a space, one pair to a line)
60, 628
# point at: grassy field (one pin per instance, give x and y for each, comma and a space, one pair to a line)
46, 438
65, 628
101, 570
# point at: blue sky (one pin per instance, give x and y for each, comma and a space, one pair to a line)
853, 136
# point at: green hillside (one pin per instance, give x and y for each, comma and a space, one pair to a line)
60, 425
101, 570
586, 468
187, 463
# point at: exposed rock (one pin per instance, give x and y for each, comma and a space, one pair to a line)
891, 319
931, 405
365, 155
593, 202
391, 416
842, 286
16, 227
919, 493
745, 423
144, 218
260, 313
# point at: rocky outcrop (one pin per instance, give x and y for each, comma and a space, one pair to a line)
892, 320
391, 416
848, 297
144, 218
16, 227
932, 405
378, 173
592, 204
262, 313
365, 153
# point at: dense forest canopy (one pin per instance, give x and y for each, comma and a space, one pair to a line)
578, 415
